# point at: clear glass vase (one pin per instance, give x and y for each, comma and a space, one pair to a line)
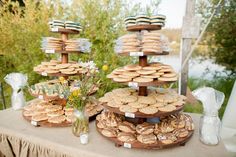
209, 129
80, 125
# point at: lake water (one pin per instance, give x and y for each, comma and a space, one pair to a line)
198, 67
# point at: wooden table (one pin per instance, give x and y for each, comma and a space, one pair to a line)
20, 138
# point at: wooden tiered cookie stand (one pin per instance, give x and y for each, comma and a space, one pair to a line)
64, 59
142, 91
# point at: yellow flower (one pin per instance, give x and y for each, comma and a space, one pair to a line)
105, 67
76, 93
61, 79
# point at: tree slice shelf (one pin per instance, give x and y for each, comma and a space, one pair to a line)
145, 84
140, 114
45, 97
60, 51
139, 145
45, 123
64, 31
57, 74
143, 27
144, 53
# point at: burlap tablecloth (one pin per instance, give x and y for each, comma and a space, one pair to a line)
19, 138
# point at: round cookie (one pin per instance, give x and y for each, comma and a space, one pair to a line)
148, 110
132, 67
119, 79
146, 72
142, 79
127, 108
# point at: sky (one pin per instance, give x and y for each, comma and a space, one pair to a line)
173, 9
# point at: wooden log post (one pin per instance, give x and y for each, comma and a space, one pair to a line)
190, 30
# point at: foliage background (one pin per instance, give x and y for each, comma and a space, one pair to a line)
22, 25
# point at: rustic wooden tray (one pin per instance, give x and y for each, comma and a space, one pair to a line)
144, 84
45, 123
145, 53
57, 74
143, 27
157, 145
63, 30
59, 51
142, 115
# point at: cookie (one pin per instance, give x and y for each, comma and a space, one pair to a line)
39, 117
168, 79
109, 132
137, 105
131, 74
57, 119
145, 128
114, 104
150, 76
129, 99
169, 75
132, 67
145, 72
142, 79
119, 79
127, 108
148, 110
167, 108
147, 139
151, 68
146, 100
126, 127
126, 137
55, 113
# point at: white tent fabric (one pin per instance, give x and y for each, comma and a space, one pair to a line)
228, 132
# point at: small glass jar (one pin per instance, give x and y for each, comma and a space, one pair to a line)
80, 125
209, 128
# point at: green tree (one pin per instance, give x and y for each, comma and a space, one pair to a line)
221, 34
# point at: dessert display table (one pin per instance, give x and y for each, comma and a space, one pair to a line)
20, 138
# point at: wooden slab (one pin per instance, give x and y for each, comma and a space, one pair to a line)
45, 123
64, 31
45, 97
142, 115
143, 53
157, 145
143, 27
59, 51
153, 83
57, 74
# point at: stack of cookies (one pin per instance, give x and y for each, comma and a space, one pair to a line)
56, 67
158, 20
73, 25
40, 110
93, 108
65, 24
151, 42
150, 73
170, 129
128, 101
128, 43
144, 19
80, 44
50, 43
56, 24
146, 41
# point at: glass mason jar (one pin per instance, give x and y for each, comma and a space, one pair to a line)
209, 128
80, 125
